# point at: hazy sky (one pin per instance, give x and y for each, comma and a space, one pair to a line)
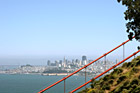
61, 27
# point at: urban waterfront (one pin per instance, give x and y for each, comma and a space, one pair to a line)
33, 83
60, 67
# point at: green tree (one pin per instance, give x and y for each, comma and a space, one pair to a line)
132, 14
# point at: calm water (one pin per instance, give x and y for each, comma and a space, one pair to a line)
34, 83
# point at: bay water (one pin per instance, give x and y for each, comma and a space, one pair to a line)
22, 83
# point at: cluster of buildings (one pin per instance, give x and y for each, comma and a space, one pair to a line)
73, 65
69, 64
62, 67
24, 69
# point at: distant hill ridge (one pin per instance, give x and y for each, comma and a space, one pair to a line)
124, 79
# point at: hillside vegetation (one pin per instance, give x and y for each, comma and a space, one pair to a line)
124, 79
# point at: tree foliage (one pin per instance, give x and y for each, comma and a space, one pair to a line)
132, 14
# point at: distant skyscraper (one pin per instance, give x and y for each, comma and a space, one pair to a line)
64, 62
49, 63
57, 63
84, 60
60, 62
80, 62
77, 61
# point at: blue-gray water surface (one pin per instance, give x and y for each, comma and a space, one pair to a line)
21, 83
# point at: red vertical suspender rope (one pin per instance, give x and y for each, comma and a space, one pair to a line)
106, 71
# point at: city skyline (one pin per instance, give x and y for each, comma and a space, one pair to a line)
44, 60
59, 67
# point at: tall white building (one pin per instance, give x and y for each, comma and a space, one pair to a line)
64, 62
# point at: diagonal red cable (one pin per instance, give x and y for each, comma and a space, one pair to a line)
105, 71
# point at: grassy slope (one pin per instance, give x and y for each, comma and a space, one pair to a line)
124, 79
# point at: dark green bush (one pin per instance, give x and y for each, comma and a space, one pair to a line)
139, 77
112, 77
92, 86
93, 83
135, 70
134, 81
106, 77
121, 79
136, 90
100, 91
124, 65
101, 83
117, 71
125, 91
127, 87
106, 87
111, 81
134, 86
138, 63
132, 64
129, 64
126, 83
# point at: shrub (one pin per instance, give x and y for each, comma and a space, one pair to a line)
137, 58
138, 63
92, 86
94, 83
126, 83
139, 77
134, 81
130, 90
101, 83
106, 77
121, 79
110, 81
134, 86
124, 65
129, 64
135, 70
100, 91
125, 91
118, 81
106, 87
117, 71
117, 90
112, 77
136, 90
132, 64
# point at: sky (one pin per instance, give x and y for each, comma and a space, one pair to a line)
59, 28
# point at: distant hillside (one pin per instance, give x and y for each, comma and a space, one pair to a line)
124, 79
